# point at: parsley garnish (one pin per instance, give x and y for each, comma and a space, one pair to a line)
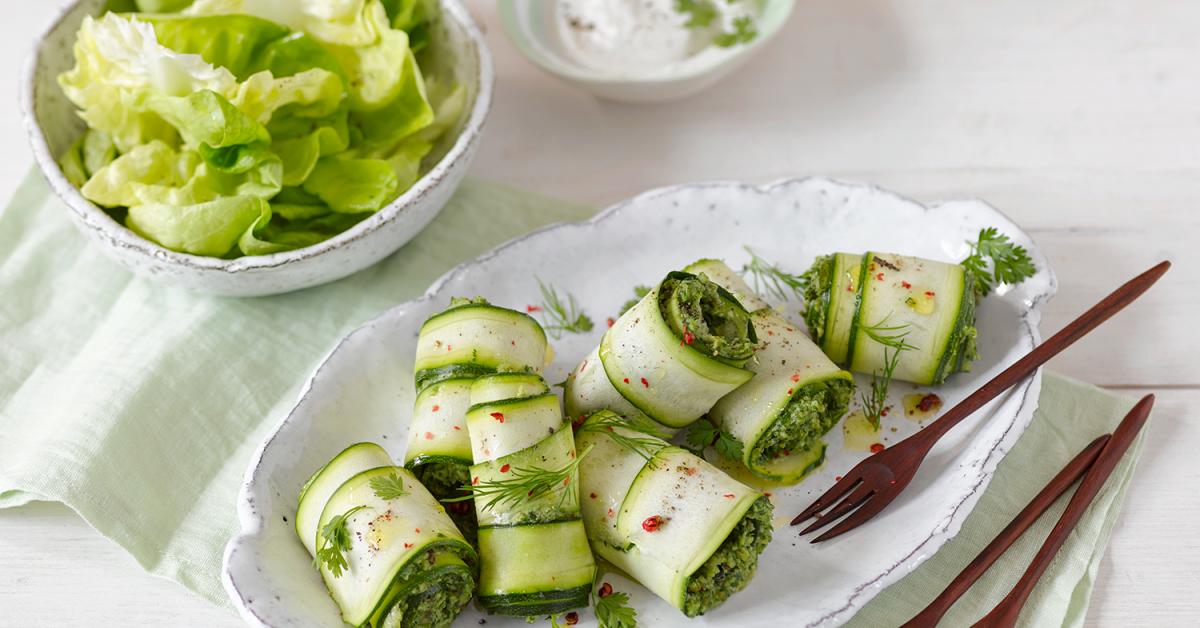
334, 542
614, 611
562, 316
524, 483
388, 486
769, 279
743, 32
704, 433
1010, 263
639, 292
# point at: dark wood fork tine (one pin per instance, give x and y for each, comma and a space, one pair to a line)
887, 473
860, 516
855, 499
835, 492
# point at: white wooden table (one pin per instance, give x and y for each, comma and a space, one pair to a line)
1079, 118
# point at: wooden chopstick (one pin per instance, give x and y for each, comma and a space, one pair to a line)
1054, 489
1007, 611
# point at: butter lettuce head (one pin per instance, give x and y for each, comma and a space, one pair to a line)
246, 127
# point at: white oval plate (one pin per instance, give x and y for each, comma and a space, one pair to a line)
363, 390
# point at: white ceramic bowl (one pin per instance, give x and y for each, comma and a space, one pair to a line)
458, 50
529, 25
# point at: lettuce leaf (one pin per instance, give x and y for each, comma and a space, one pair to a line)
248, 127
352, 186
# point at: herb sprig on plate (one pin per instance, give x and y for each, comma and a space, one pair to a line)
770, 279
704, 433
334, 542
562, 316
522, 484
1009, 263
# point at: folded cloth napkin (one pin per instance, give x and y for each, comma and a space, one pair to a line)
139, 406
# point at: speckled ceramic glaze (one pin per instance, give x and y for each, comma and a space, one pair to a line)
459, 51
363, 390
529, 25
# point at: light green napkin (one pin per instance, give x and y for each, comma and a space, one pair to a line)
139, 406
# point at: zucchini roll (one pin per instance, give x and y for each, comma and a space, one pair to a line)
670, 357
386, 549
534, 552
858, 306
473, 337
675, 523
796, 396
469, 338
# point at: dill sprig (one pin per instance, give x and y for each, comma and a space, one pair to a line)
1010, 263
888, 335
643, 442
524, 483
874, 403
892, 337
334, 542
770, 279
562, 316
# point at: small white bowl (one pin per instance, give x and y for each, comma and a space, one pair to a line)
52, 123
529, 25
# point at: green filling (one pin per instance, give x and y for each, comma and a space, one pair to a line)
430, 591
812, 412
428, 377
699, 309
961, 349
730, 568
445, 481
817, 283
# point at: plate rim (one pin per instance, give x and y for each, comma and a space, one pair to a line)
251, 523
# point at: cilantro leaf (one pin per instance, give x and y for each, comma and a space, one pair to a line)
614, 611
334, 542
1009, 263
704, 433
388, 486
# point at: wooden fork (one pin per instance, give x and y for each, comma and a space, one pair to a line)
873, 483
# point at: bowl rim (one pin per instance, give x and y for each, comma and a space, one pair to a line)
516, 35
119, 236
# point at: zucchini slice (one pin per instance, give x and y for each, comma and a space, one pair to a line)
673, 355
797, 395
439, 428
932, 302
316, 491
406, 563
677, 524
472, 338
535, 555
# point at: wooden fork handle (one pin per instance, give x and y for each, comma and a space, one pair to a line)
1030, 514
1065, 337
1006, 612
